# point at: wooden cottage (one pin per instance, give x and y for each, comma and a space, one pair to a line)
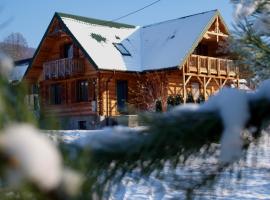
89, 69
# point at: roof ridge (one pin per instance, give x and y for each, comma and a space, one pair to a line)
95, 20
214, 10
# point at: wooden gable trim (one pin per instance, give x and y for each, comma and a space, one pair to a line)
207, 27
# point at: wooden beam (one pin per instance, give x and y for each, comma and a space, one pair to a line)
199, 65
188, 79
216, 34
217, 29
237, 81
184, 86
225, 81
208, 81
208, 66
212, 76
204, 88
218, 84
199, 79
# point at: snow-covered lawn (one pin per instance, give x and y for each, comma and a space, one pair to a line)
81, 136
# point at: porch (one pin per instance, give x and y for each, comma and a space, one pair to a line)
205, 69
204, 65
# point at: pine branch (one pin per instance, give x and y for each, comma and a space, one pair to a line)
171, 137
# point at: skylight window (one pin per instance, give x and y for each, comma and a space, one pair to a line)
122, 49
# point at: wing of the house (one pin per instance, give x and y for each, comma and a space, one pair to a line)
18, 72
83, 60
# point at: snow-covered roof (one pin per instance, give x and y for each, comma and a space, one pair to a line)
19, 69
158, 46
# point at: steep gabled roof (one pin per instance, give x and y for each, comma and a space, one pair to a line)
167, 44
98, 39
158, 46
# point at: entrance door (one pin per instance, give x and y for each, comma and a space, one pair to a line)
122, 95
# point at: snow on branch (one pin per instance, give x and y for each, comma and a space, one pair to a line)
232, 118
187, 129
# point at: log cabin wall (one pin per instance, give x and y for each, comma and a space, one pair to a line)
108, 92
51, 68
69, 106
144, 89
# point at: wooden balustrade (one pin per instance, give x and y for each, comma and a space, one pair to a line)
211, 66
63, 68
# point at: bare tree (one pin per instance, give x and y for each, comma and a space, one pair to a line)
149, 89
15, 45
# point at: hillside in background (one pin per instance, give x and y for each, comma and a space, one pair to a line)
17, 52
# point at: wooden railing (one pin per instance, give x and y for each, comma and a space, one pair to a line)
62, 68
211, 66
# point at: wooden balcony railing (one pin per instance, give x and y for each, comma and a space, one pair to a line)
211, 66
63, 68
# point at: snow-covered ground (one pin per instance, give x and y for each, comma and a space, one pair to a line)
253, 184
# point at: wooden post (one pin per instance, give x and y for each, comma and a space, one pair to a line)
208, 66
227, 68
217, 29
184, 85
199, 65
98, 96
225, 81
218, 67
237, 81
188, 64
204, 88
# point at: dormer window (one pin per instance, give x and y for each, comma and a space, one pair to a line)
120, 47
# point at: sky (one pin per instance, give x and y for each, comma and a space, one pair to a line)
31, 17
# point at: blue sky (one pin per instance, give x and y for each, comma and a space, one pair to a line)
31, 17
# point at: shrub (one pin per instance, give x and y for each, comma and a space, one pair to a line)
158, 106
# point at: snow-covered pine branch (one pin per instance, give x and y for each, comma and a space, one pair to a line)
250, 41
221, 119
173, 137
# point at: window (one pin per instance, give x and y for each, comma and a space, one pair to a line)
68, 51
34, 89
55, 94
36, 102
82, 90
82, 125
122, 49
122, 95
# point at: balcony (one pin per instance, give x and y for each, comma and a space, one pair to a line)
211, 66
63, 68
